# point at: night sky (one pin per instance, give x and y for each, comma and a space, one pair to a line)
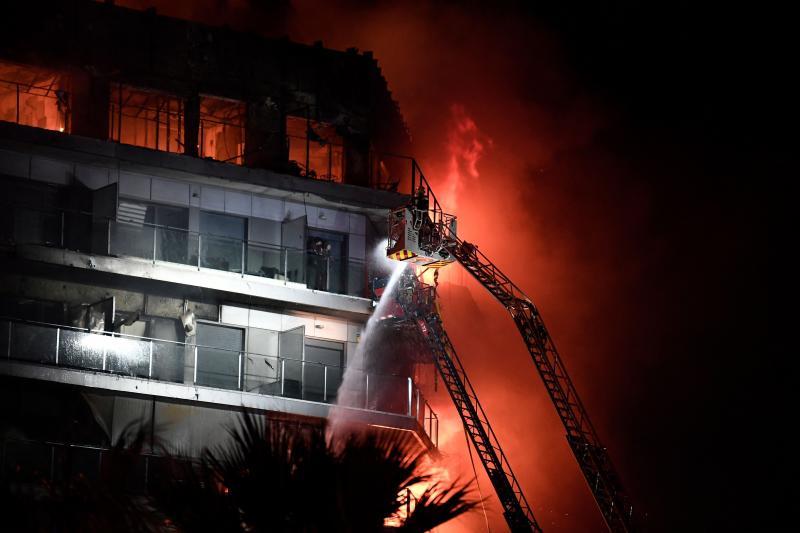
607, 159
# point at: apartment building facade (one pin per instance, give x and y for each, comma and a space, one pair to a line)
190, 221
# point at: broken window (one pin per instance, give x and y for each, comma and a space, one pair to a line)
146, 118
222, 129
315, 148
34, 97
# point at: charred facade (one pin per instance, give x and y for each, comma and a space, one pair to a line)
188, 220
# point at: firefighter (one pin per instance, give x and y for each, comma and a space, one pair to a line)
318, 256
470, 250
421, 200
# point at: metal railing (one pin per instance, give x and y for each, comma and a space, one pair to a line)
81, 231
209, 366
244, 257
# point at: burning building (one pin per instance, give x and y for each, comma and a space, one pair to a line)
188, 221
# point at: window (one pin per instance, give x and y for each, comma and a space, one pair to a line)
33, 97
146, 118
322, 369
219, 351
138, 223
221, 241
222, 129
315, 148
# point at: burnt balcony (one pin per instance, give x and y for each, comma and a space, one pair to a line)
157, 244
54, 347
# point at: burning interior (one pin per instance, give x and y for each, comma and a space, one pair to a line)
315, 148
146, 118
34, 96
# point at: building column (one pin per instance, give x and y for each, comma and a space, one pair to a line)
88, 104
191, 125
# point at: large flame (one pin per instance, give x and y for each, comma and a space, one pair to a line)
515, 160
466, 145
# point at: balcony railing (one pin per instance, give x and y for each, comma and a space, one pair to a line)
244, 257
81, 231
208, 366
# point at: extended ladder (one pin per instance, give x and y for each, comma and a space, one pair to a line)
516, 510
592, 457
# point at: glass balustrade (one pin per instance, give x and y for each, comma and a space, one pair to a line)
207, 366
250, 258
128, 238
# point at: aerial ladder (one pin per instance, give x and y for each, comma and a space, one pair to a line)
423, 235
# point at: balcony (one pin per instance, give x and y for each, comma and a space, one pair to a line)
162, 244
47, 346
243, 257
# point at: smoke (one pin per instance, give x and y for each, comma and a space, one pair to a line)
622, 243
486, 141
370, 358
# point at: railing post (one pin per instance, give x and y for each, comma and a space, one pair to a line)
328, 274
366, 393
103, 338
195, 365
243, 257
150, 366
108, 236
325, 383
410, 394
241, 371
58, 336
285, 265
154, 244
283, 374
199, 248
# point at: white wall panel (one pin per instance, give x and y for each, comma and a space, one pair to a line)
338, 220
194, 192
174, 192
356, 245
15, 164
294, 210
358, 224
329, 328
265, 320
313, 216
51, 170
92, 176
328, 219
238, 316
212, 198
134, 185
269, 208
238, 203
294, 321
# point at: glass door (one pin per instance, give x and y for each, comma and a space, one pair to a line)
219, 355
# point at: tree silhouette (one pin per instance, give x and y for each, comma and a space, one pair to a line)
272, 476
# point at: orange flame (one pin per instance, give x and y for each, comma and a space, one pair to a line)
466, 145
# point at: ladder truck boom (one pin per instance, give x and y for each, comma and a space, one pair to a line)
419, 307
421, 233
